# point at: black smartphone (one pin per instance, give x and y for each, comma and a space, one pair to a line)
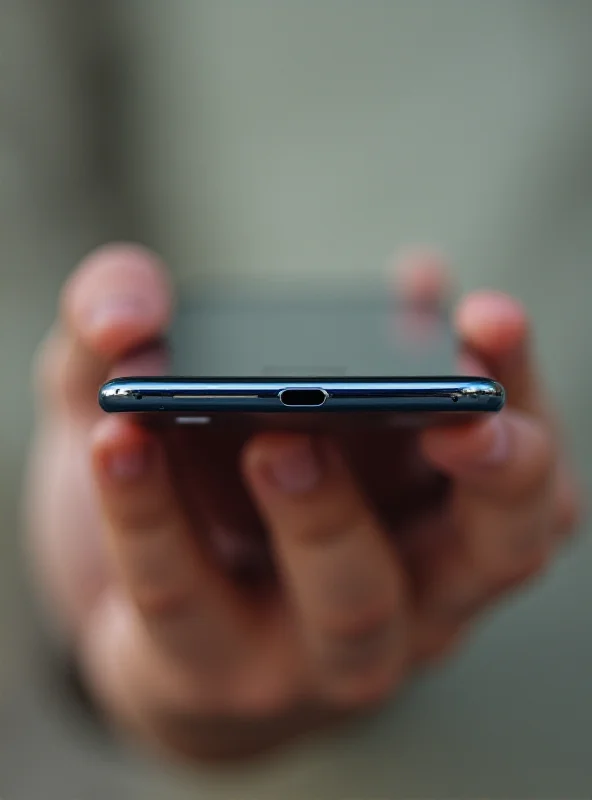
295, 363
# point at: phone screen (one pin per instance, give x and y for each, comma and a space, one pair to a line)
312, 337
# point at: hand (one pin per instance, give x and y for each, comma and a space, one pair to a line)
223, 595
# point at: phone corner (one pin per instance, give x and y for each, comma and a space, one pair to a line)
106, 393
499, 392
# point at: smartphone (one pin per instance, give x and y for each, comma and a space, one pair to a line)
306, 363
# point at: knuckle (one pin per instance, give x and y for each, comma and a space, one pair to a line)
360, 658
160, 583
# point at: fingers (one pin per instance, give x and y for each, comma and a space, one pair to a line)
494, 327
342, 575
154, 360
117, 302
118, 299
184, 603
501, 459
495, 330
505, 487
506, 493
503, 513
514, 497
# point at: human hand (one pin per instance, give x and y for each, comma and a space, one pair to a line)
225, 594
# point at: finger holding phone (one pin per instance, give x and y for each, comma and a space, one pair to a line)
229, 585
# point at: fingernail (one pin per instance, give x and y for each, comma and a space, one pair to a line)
115, 309
498, 449
129, 465
296, 468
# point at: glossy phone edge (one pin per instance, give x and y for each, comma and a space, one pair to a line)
248, 395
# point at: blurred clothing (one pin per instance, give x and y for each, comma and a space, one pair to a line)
303, 141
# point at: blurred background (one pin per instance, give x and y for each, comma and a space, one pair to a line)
303, 141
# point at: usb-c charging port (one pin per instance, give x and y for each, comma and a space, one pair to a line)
303, 397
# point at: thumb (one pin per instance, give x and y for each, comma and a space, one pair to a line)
117, 302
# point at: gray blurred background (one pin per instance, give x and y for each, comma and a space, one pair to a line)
289, 141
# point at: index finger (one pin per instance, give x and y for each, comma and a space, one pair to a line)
514, 495
118, 301
495, 327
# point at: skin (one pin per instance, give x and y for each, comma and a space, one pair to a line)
224, 594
